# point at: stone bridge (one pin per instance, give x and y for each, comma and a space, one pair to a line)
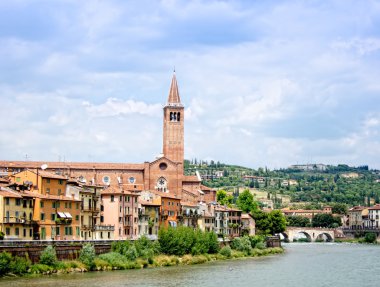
311, 233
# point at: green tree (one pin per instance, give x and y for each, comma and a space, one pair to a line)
339, 208
246, 201
278, 221
326, 220
224, 198
297, 221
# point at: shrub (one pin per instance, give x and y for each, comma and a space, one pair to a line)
114, 259
213, 242
255, 240
370, 237
260, 245
48, 256
40, 269
226, 251
242, 244
19, 265
87, 255
5, 259
131, 253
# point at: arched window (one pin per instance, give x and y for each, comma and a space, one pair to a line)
171, 116
178, 116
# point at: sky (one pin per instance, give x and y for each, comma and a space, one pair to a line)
264, 83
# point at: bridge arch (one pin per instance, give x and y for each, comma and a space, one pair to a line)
325, 237
307, 235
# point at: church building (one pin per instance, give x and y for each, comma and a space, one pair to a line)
126, 185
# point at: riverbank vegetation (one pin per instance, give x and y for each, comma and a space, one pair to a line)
176, 246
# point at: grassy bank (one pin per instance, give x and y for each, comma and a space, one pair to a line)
179, 246
114, 261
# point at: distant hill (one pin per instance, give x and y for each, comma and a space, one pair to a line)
321, 185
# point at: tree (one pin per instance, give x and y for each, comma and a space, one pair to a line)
339, 208
278, 221
326, 220
269, 223
223, 198
297, 221
246, 201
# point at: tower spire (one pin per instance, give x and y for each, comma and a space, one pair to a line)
174, 99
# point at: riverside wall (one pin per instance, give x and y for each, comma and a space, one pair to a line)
66, 250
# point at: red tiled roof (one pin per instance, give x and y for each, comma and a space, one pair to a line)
190, 178
7, 192
375, 207
71, 165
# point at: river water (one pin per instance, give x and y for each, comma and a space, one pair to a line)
306, 264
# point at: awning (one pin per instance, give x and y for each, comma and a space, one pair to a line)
173, 223
68, 215
61, 215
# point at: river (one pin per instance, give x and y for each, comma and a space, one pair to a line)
307, 264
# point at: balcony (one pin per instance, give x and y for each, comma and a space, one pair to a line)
107, 227
60, 221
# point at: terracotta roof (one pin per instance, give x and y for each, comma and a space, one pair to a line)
357, 208
246, 216
112, 189
46, 174
187, 203
3, 180
48, 196
191, 178
149, 203
7, 192
164, 194
71, 165
375, 207
173, 97
203, 187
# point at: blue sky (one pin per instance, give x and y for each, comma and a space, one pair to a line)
264, 83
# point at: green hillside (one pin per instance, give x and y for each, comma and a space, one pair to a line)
333, 184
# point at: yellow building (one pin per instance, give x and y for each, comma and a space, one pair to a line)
57, 216
16, 214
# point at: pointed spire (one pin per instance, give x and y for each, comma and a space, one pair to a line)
174, 99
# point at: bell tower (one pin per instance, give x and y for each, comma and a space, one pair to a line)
173, 145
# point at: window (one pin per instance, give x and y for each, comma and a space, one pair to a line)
112, 198
48, 180
7, 231
59, 191
163, 166
7, 200
24, 232
78, 230
106, 180
77, 217
77, 205
53, 216
42, 216
132, 180
101, 218
17, 231
121, 198
18, 201
30, 232
60, 181
65, 204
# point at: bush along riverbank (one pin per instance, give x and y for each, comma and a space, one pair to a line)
175, 246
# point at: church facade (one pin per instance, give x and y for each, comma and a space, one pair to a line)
126, 188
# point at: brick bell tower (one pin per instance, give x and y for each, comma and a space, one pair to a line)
173, 146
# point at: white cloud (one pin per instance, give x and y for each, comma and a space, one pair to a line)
116, 107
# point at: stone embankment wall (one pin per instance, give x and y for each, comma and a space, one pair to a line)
66, 250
